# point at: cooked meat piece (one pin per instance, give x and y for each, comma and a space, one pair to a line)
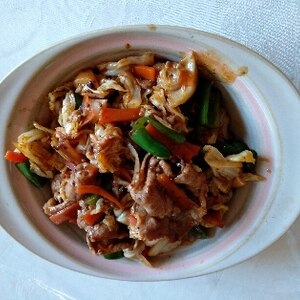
192, 178
111, 246
102, 230
147, 192
149, 228
106, 228
64, 184
166, 168
51, 207
107, 236
216, 196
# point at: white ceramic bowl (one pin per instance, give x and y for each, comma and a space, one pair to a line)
263, 105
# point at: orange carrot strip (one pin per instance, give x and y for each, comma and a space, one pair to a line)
179, 196
91, 219
93, 189
145, 72
67, 213
15, 157
160, 137
111, 115
185, 151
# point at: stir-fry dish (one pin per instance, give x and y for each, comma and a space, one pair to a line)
138, 154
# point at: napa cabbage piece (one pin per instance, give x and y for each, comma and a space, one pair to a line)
179, 80
106, 148
132, 98
135, 253
35, 145
228, 171
114, 68
163, 246
69, 117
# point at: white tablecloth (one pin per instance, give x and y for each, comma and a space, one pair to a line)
270, 27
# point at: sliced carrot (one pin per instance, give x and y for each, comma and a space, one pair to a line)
185, 151
15, 157
66, 214
160, 137
145, 72
93, 189
111, 115
182, 200
91, 219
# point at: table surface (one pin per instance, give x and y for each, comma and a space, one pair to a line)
272, 28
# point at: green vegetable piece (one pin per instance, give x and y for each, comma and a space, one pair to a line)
92, 199
232, 147
210, 99
78, 100
35, 179
172, 134
235, 147
142, 138
204, 102
114, 255
199, 232
214, 119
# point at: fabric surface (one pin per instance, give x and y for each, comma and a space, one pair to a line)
271, 28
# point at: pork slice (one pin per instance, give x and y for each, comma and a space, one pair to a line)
106, 236
193, 178
51, 207
149, 228
64, 184
101, 231
148, 193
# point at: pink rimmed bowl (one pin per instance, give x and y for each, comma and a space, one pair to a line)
264, 108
